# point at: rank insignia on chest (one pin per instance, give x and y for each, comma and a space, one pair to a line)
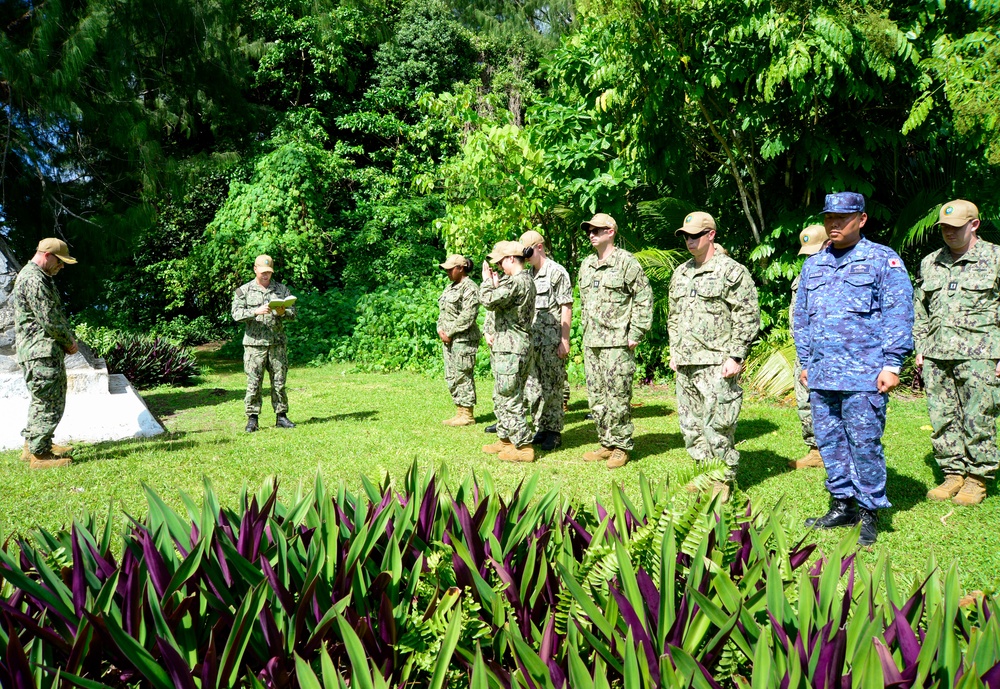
952, 286
694, 292
597, 283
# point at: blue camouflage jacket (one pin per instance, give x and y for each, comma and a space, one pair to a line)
854, 319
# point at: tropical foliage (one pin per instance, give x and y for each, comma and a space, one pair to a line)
415, 584
357, 142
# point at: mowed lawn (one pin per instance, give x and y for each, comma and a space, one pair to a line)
351, 424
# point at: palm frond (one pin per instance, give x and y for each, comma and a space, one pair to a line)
771, 371
659, 264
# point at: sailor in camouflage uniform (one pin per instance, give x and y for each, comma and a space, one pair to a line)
714, 318
43, 336
543, 391
459, 333
617, 309
853, 327
265, 346
812, 240
957, 339
511, 300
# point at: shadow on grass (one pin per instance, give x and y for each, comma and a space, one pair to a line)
651, 444
165, 442
350, 416
757, 466
904, 492
170, 402
650, 410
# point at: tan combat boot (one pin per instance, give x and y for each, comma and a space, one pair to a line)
497, 447
58, 450
597, 455
618, 458
47, 460
947, 490
812, 459
463, 417
721, 488
972, 493
510, 453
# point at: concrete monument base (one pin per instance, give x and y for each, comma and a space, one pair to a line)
99, 406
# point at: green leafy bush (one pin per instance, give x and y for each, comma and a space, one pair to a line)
99, 338
396, 329
411, 584
396, 588
150, 362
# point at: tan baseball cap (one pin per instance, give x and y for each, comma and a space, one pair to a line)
263, 264
503, 249
454, 261
601, 220
957, 213
56, 247
695, 223
812, 239
532, 238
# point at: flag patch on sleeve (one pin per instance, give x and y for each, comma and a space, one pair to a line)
895, 263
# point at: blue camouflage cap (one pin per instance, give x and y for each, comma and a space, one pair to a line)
844, 202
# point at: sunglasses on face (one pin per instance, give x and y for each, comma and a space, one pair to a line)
699, 235
591, 231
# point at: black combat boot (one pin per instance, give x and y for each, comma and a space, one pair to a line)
251, 423
869, 526
282, 422
492, 428
539, 438
842, 513
551, 441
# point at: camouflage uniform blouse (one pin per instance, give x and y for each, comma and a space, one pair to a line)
553, 290
956, 303
40, 325
714, 313
459, 308
512, 302
261, 331
616, 300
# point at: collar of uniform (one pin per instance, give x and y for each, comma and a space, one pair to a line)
543, 271
973, 255
862, 252
39, 270
611, 260
709, 266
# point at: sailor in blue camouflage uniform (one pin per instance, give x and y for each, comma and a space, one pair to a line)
853, 325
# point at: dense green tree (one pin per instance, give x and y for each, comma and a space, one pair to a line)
101, 102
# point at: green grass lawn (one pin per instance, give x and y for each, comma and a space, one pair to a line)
352, 424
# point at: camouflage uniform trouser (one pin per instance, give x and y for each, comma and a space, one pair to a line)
962, 401
609, 372
459, 372
849, 427
543, 391
509, 374
805, 411
46, 382
708, 407
273, 359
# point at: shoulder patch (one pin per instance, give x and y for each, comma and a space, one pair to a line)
895, 263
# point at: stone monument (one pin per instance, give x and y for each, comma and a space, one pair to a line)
99, 406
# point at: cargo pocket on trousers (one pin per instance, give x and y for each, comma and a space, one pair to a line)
505, 372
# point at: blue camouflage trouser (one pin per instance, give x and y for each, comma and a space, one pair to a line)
848, 427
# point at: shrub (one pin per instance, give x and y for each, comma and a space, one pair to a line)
150, 362
186, 331
411, 585
396, 329
99, 338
